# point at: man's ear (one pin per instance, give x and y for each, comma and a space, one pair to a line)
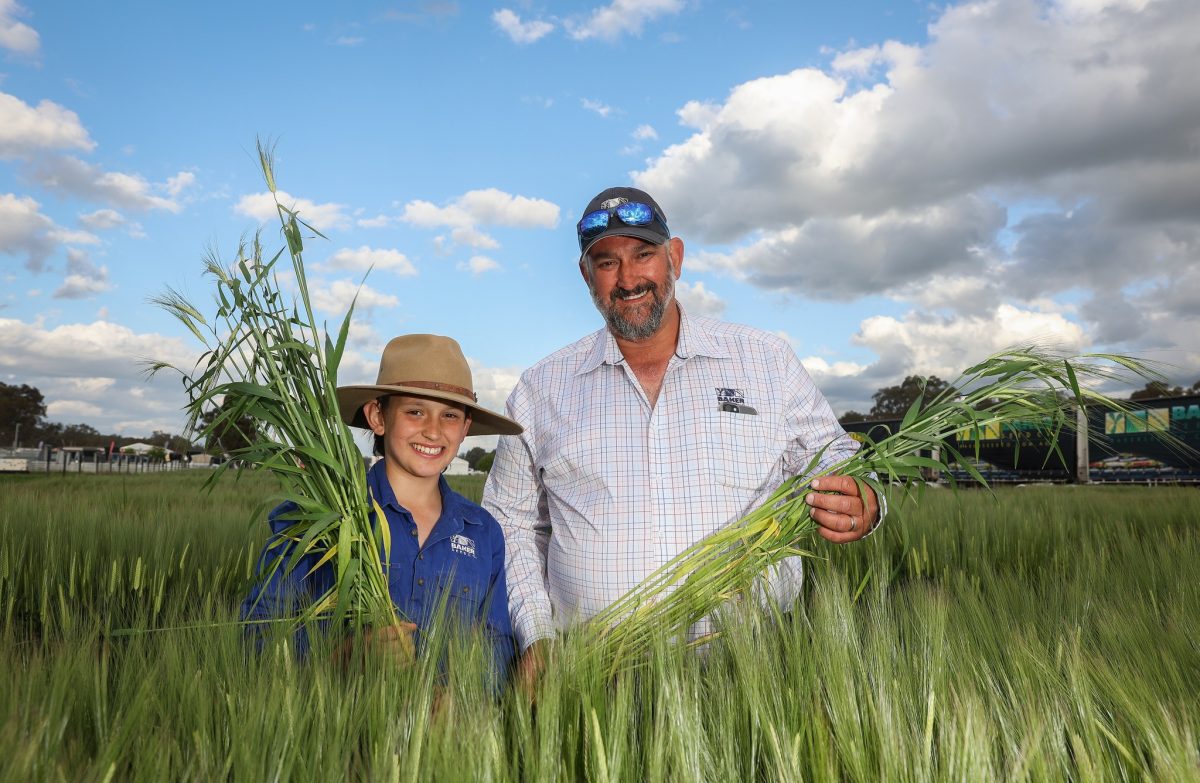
374, 416
585, 269
675, 253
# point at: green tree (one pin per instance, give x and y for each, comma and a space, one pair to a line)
485, 462
1155, 389
473, 455
229, 436
20, 405
849, 417
892, 402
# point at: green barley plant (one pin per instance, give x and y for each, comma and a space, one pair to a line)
266, 358
1032, 385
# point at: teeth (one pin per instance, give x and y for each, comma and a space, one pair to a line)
631, 297
431, 451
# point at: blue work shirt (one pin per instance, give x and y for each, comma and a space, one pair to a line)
463, 558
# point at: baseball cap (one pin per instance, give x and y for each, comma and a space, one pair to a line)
622, 211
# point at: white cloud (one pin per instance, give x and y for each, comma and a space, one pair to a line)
645, 132
365, 257
379, 221
72, 411
481, 207
102, 349
521, 32
893, 170
596, 106
84, 279
261, 207
178, 183
698, 299
75, 177
349, 40
103, 219
26, 232
25, 130
621, 17
336, 297
478, 265
17, 36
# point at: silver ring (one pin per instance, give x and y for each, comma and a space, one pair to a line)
853, 524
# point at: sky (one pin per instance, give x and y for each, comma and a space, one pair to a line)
896, 187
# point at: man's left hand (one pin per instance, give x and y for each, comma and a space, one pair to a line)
841, 513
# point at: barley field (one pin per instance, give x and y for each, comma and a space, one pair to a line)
1037, 633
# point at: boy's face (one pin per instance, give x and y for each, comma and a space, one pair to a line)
420, 435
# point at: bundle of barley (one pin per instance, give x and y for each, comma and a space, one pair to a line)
267, 360
1033, 386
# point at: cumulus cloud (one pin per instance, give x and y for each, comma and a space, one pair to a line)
521, 32
481, 207
102, 349
619, 18
698, 299
84, 279
103, 219
895, 169
75, 177
26, 232
261, 207
366, 257
337, 296
180, 182
645, 133
26, 129
17, 36
477, 265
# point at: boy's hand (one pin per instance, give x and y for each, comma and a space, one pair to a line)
392, 643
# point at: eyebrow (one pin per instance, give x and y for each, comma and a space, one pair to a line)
642, 244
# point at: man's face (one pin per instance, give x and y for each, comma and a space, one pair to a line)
632, 283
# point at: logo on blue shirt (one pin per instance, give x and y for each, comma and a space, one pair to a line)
462, 545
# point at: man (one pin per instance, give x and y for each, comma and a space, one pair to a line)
648, 435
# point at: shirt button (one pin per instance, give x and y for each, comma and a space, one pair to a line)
466, 589
421, 582
413, 531
421, 556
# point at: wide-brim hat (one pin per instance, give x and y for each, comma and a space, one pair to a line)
424, 365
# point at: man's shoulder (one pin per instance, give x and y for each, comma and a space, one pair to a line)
738, 338
567, 359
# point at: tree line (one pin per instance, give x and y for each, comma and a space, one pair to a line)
892, 402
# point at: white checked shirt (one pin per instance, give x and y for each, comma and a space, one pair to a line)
601, 489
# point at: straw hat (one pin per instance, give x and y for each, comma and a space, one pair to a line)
425, 365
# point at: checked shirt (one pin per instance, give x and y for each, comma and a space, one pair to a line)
601, 489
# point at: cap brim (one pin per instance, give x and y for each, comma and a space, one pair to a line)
351, 400
637, 232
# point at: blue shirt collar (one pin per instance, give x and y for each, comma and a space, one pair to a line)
453, 504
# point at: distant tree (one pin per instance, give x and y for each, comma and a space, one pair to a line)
485, 462
230, 436
176, 443
1155, 389
473, 455
849, 417
892, 402
23, 405
81, 435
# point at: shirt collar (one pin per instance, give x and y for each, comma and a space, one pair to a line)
453, 504
693, 341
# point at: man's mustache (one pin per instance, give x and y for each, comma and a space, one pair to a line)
621, 293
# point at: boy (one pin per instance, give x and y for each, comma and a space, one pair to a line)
420, 409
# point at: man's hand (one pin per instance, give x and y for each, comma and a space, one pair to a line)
530, 667
841, 514
391, 644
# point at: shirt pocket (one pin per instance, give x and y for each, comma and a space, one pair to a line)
464, 591
737, 449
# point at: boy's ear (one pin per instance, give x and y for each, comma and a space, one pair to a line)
467, 425
374, 416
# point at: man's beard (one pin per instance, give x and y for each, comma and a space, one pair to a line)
628, 330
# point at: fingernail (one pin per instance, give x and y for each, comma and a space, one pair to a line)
808, 499
816, 484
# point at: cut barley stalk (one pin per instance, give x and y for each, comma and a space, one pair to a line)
266, 359
1033, 386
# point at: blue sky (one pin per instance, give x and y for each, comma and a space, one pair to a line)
896, 187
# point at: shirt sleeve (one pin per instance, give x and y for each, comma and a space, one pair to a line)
497, 624
514, 496
812, 426
277, 593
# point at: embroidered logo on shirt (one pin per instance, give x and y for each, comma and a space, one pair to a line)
462, 545
736, 396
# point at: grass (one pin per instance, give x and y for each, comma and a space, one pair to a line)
1033, 634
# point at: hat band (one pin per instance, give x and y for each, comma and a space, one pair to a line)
443, 387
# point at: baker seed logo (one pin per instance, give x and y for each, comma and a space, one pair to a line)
462, 545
